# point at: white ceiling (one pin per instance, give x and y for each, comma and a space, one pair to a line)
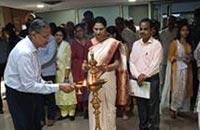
66, 4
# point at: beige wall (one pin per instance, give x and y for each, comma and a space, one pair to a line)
59, 17
109, 12
138, 12
76, 15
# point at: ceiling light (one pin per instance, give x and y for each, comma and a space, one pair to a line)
52, 2
40, 6
131, 0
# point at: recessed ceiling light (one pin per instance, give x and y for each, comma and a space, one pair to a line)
40, 6
131, 0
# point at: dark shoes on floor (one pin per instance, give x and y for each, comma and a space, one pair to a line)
85, 114
1, 111
62, 118
71, 118
173, 114
50, 122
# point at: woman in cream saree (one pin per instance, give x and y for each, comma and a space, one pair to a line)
106, 53
178, 74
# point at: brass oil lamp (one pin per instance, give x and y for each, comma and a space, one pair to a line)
93, 83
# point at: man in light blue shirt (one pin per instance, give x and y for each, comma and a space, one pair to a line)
47, 58
24, 85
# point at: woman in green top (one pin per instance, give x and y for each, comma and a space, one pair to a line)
65, 101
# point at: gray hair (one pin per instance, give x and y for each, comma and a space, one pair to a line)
37, 25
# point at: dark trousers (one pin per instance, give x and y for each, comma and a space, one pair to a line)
1, 103
2, 68
195, 84
148, 109
49, 101
25, 109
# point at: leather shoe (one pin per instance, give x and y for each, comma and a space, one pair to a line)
1, 111
173, 114
42, 123
71, 118
50, 122
62, 118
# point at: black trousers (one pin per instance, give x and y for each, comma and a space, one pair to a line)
49, 101
148, 109
2, 68
25, 109
1, 103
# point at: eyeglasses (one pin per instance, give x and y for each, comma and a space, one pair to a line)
46, 37
60, 35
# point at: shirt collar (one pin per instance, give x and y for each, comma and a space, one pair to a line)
148, 42
31, 45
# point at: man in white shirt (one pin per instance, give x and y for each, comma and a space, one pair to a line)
24, 85
145, 59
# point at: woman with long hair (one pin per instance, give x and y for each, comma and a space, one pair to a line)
179, 72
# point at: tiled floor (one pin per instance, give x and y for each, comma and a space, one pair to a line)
189, 122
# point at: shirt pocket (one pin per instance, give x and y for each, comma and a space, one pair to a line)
147, 58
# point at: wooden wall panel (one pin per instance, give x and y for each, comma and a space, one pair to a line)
15, 16
7, 15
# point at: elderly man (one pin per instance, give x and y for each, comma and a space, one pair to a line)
145, 59
24, 85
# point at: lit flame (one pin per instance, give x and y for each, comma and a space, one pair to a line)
84, 82
91, 80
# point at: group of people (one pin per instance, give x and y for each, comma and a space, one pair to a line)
43, 67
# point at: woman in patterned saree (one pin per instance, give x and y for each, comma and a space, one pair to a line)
106, 53
179, 72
